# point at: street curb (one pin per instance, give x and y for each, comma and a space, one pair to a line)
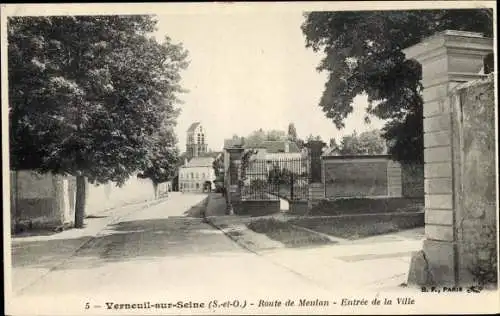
88, 239
312, 231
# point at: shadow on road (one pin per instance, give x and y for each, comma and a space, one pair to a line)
198, 209
128, 240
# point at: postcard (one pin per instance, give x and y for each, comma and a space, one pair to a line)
250, 158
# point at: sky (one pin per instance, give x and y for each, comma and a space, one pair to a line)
249, 71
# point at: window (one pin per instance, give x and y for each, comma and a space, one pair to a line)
203, 175
192, 175
197, 185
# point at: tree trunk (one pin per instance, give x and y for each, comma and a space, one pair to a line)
155, 188
80, 201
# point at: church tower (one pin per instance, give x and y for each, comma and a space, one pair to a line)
196, 141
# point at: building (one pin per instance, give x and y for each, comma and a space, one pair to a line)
197, 175
196, 141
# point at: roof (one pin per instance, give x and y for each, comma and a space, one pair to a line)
231, 142
193, 126
200, 162
330, 151
279, 146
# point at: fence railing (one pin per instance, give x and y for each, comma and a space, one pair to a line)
275, 178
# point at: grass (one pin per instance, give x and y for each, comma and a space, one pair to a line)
285, 233
353, 228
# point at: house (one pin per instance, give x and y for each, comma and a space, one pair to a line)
197, 175
276, 154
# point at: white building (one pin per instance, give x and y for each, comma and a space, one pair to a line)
197, 175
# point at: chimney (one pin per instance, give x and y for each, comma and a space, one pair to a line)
287, 147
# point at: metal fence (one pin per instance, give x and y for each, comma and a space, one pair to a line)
275, 179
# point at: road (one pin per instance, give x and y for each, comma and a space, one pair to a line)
161, 252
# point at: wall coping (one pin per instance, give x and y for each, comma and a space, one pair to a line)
340, 157
483, 80
471, 41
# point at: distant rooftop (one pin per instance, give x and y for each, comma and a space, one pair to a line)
200, 162
279, 146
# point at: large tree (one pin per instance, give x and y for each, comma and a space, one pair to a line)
86, 95
366, 143
163, 156
363, 55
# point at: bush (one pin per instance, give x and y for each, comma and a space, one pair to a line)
367, 206
484, 267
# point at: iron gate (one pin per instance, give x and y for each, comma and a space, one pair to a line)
272, 179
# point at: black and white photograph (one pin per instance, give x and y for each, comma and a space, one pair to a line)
250, 158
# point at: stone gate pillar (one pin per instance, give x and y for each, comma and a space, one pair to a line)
316, 185
448, 59
233, 188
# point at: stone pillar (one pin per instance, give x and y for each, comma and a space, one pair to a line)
234, 176
448, 59
316, 185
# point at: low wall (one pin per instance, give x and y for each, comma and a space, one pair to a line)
107, 196
257, 207
399, 220
298, 207
39, 201
48, 201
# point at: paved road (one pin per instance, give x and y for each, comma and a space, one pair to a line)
161, 252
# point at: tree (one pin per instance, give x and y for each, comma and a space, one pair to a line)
366, 143
275, 135
256, 138
292, 132
313, 138
218, 166
87, 94
364, 55
163, 157
335, 148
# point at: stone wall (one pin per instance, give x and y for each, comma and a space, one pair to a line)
357, 176
476, 215
257, 207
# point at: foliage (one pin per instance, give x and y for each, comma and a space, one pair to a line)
257, 185
313, 138
88, 93
366, 143
484, 267
258, 137
218, 166
335, 148
163, 157
364, 55
281, 176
